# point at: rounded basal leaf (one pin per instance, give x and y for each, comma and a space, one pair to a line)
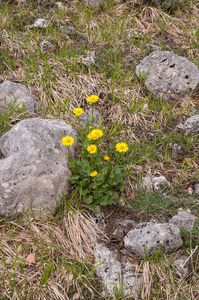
88, 200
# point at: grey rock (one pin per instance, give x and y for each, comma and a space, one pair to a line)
154, 181
191, 125
34, 166
45, 46
190, 191
150, 135
88, 115
150, 236
183, 220
13, 93
182, 266
196, 191
153, 47
177, 150
68, 30
40, 23
108, 272
60, 6
165, 3
90, 88
168, 75
123, 224
89, 59
96, 2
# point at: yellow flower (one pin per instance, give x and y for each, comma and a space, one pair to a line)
78, 111
91, 127
121, 147
93, 174
67, 140
92, 149
90, 137
92, 98
96, 133
106, 157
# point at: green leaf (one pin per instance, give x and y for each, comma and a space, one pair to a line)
88, 200
94, 207
85, 165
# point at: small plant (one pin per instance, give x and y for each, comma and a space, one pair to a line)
98, 182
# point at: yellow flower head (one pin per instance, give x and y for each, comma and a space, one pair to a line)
91, 137
106, 157
92, 149
78, 111
67, 140
121, 147
96, 133
92, 98
93, 174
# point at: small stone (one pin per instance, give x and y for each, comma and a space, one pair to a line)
96, 2
60, 6
197, 189
191, 125
90, 88
165, 3
45, 46
155, 181
168, 75
154, 47
88, 115
17, 94
40, 23
150, 135
147, 237
190, 191
68, 29
177, 150
89, 59
183, 220
182, 266
108, 267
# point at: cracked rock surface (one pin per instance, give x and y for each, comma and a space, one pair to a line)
168, 75
183, 220
17, 94
108, 272
34, 166
149, 236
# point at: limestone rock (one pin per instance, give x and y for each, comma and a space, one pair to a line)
40, 23
88, 115
153, 47
177, 150
60, 6
197, 189
183, 220
182, 265
108, 272
191, 125
154, 181
165, 3
45, 46
34, 165
17, 94
96, 2
149, 236
123, 226
90, 88
68, 30
168, 75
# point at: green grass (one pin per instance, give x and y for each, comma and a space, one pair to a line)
129, 111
